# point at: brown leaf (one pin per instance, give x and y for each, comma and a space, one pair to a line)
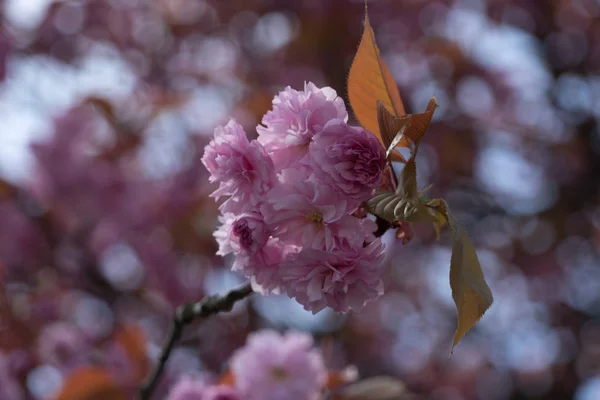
90, 383
336, 379
470, 292
133, 340
391, 129
227, 379
412, 128
370, 81
417, 125
408, 130
377, 388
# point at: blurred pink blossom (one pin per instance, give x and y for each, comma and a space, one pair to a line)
187, 388
221, 392
63, 345
9, 385
278, 367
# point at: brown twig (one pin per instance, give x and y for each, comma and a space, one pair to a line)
206, 307
184, 315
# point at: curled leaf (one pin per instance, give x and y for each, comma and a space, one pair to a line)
394, 207
370, 81
417, 125
470, 292
405, 131
391, 130
387, 205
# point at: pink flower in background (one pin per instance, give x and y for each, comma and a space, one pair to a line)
187, 388
10, 387
221, 392
278, 367
305, 212
348, 157
243, 169
296, 117
63, 345
344, 279
245, 234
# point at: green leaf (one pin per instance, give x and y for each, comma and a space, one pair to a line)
387, 205
470, 292
393, 207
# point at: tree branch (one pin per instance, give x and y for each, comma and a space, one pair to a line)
184, 315
382, 226
206, 307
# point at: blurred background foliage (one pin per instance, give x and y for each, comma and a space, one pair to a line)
105, 224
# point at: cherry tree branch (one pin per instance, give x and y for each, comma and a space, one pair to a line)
210, 305
184, 315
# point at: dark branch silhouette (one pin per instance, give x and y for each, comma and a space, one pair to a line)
184, 315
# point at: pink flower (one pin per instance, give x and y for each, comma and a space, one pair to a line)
256, 254
245, 234
187, 388
62, 345
278, 367
263, 267
348, 157
344, 279
295, 118
243, 169
220, 392
302, 211
10, 387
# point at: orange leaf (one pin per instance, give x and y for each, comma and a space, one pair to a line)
90, 383
389, 129
227, 379
406, 130
336, 379
370, 81
133, 340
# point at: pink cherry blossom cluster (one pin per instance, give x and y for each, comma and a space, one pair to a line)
289, 217
271, 366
